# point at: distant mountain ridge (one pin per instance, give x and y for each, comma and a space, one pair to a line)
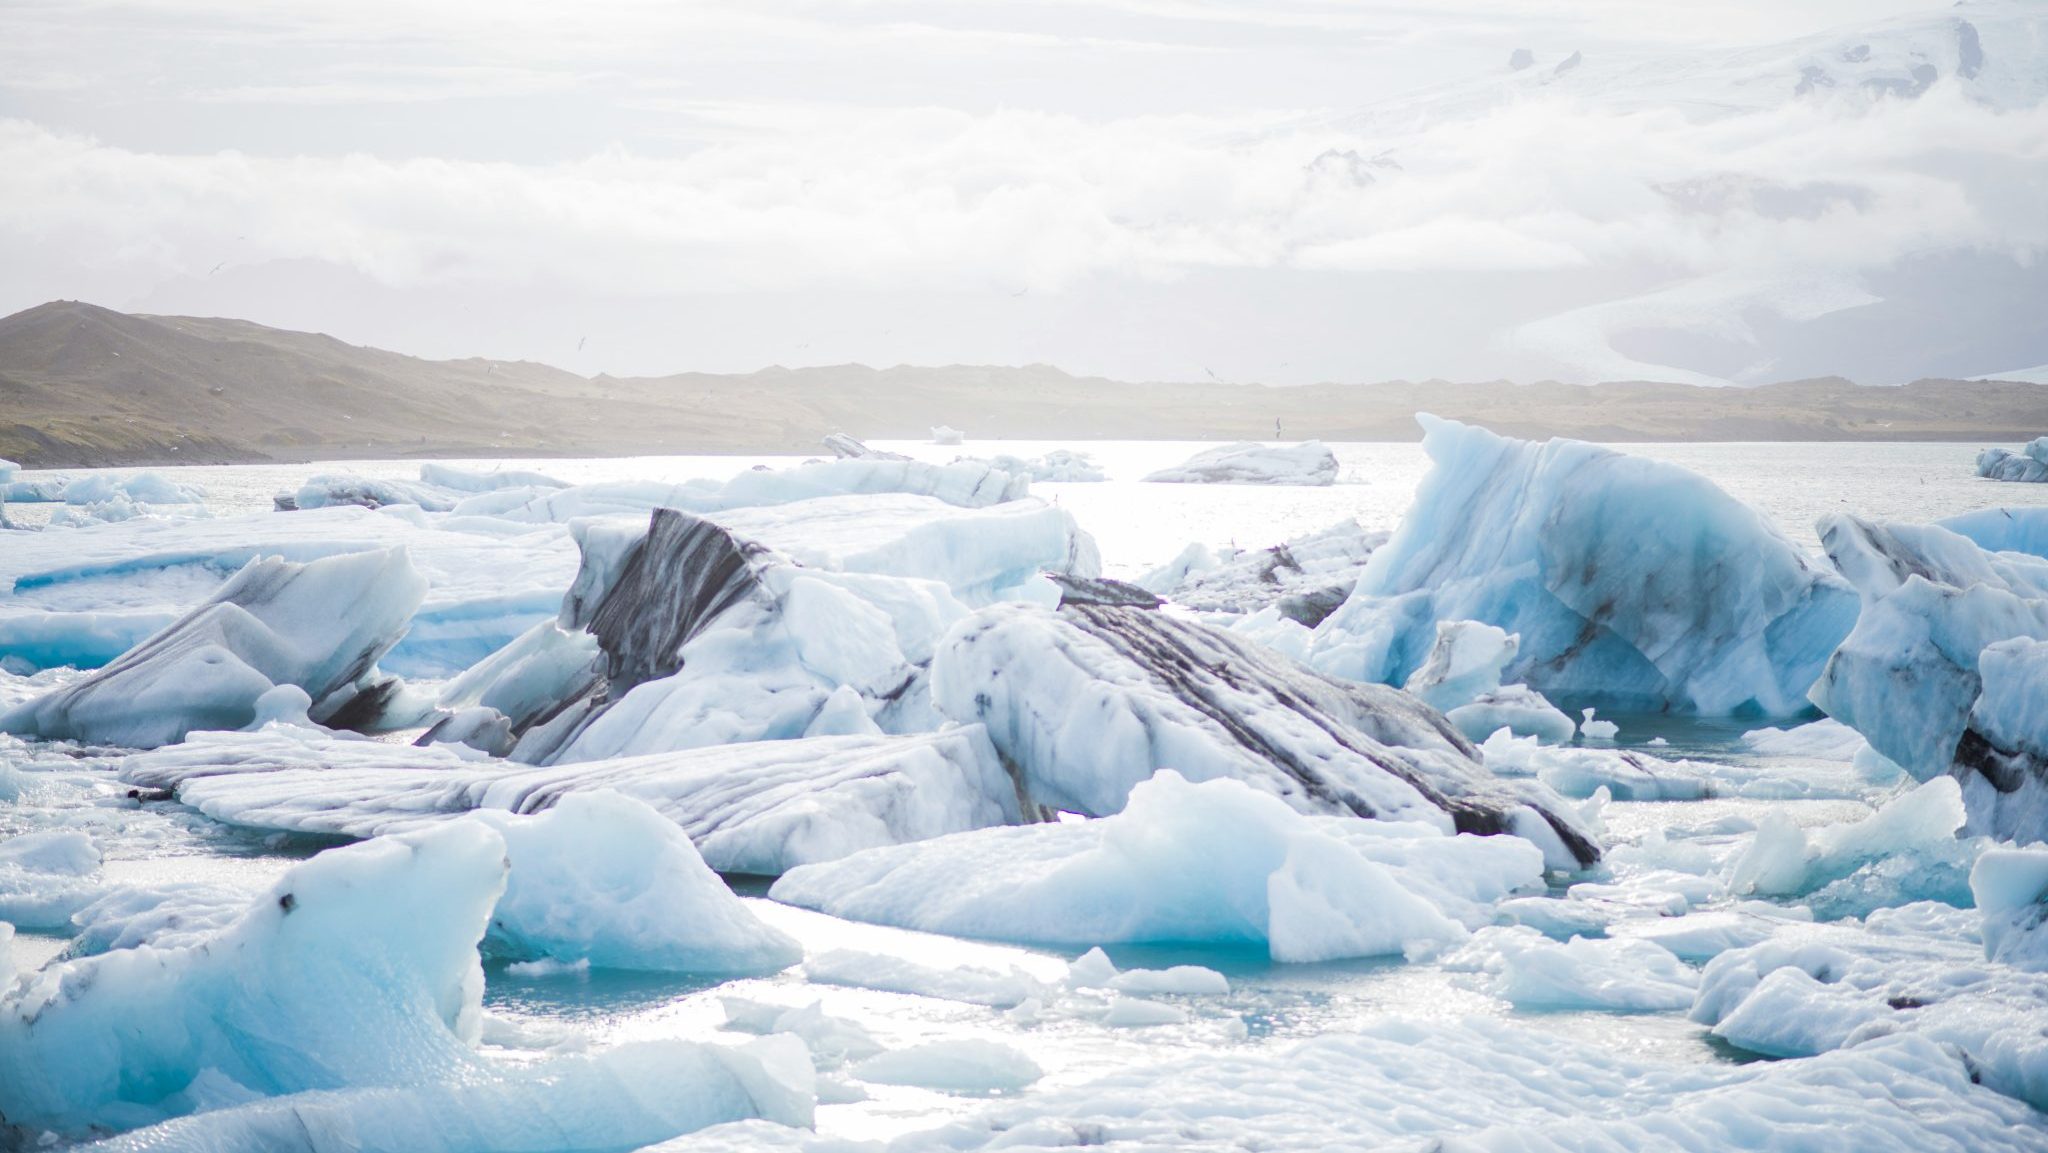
82, 385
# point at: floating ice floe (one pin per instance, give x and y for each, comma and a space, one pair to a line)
960, 1065
94, 488
1908, 850
603, 879
622, 1098
1611, 569
1530, 971
1059, 466
1944, 672
2030, 463
1248, 462
319, 627
760, 807
46, 876
1917, 970
966, 983
1301, 579
1494, 1085
1216, 862
1091, 700
945, 434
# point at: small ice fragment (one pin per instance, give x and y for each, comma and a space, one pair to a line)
963, 1065
1136, 1013
1597, 730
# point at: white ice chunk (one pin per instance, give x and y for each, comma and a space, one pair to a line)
1531, 971
1907, 850
1248, 462
626, 1097
959, 1065
46, 876
605, 879
2011, 889
966, 983
1594, 730
1215, 862
1138, 1013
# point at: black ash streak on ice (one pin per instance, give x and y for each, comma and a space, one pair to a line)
1238, 686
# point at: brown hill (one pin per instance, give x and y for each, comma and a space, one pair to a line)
83, 385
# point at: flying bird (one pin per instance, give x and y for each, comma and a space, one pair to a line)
579, 342
216, 268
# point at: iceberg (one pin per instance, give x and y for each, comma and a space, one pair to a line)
1632, 584
1089, 701
358, 968
758, 808
1303, 578
708, 635
1216, 862
319, 626
1944, 671
142, 488
968, 984
1248, 462
603, 879
945, 434
2030, 463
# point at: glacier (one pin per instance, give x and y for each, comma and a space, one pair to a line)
1614, 571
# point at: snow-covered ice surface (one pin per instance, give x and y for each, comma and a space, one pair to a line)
1767, 889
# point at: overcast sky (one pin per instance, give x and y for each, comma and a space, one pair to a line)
1169, 189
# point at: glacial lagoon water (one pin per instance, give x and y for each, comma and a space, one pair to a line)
1137, 526
1142, 525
